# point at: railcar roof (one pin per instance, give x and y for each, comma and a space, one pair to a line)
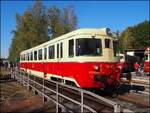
100, 31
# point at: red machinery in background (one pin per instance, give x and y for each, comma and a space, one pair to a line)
147, 61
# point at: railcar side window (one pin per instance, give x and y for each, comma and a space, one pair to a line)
88, 47
23, 57
40, 54
31, 56
115, 48
35, 55
28, 56
71, 50
57, 50
51, 52
45, 53
107, 43
61, 49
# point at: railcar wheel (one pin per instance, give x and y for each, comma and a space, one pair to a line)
116, 84
107, 91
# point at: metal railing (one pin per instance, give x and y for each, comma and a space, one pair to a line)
56, 96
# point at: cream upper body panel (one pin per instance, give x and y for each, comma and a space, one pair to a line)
92, 32
107, 53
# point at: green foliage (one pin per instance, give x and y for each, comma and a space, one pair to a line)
32, 27
136, 37
55, 21
61, 21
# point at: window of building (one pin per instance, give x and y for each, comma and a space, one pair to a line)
45, 53
61, 50
71, 48
107, 43
35, 55
40, 54
31, 56
57, 50
51, 52
88, 47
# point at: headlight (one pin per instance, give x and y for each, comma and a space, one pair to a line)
96, 68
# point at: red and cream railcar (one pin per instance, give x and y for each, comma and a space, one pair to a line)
84, 57
147, 61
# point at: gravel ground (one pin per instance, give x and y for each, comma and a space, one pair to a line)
132, 107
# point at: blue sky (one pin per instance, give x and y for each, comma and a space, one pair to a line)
116, 15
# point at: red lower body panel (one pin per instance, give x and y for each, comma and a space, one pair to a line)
83, 73
147, 66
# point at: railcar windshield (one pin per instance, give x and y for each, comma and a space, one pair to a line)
88, 47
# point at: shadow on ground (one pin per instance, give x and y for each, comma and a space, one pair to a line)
125, 88
6, 78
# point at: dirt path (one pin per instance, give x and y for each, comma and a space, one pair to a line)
16, 98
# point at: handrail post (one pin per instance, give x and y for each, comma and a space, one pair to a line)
56, 98
12, 76
116, 108
43, 88
28, 81
81, 101
34, 81
23, 79
20, 77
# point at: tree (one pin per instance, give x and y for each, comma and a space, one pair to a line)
135, 37
55, 21
126, 40
31, 30
69, 19
61, 22
32, 27
142, 34
39, 24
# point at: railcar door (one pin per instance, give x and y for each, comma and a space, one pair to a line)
45, 60
59, 59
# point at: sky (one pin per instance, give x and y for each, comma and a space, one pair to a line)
117, 15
